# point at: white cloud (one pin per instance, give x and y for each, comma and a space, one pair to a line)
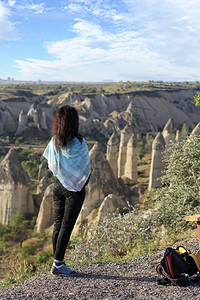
11, 2
149, 39
73, 7
94, 54
98, 8
7, 27
37, 8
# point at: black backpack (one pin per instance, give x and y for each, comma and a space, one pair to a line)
178, 267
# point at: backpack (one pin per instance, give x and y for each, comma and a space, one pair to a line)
178, 267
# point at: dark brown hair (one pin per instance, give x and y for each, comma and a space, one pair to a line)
65, 126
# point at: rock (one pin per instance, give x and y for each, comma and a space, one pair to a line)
102, 182
157, 164
23, 119
178, 136
196, 130
9, 122
33, 115
112, 152
125, 136
131, 159
110, 205
42, 184
169, 132
42, 170
15, 188
46, 212
43, 121
1, 122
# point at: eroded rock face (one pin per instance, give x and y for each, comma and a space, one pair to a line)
102, 182
42, 184
9, 123
100, 115
196, 130
112, 152
169, 132
43, 121
110, 205
15, 188
125, 136
46, 212
157, 164
42, 170
178, 136
34, 115
23, 119
131, 159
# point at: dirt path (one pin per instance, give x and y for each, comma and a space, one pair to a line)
135, 279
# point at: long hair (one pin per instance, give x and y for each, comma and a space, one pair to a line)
65, 126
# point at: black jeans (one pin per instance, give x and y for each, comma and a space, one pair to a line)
67, 206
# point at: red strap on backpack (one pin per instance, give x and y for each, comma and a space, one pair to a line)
168, 257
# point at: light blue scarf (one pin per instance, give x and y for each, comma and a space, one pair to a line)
70, 164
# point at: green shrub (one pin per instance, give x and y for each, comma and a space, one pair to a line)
117, 236
26, 251
24, 152
44, 257
185, 130
180, 194
18, 229
148, 145
197, 99
140, 149
31, 167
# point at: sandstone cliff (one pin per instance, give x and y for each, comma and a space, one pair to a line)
145, 111
100, 115
15, 188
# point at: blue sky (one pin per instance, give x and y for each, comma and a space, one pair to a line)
85, 40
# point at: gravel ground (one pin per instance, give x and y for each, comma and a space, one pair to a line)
134, 279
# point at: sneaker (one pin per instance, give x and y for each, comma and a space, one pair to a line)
61, 270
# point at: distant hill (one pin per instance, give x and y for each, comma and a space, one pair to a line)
100, 112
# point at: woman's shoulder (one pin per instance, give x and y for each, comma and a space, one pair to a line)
79, 140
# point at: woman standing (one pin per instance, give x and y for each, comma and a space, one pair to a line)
68, 159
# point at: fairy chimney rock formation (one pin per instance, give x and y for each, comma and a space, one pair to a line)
15, 188
9, 122
42, 170
46, 214
157, 164
43, 121
178, 136
112, 152
125, 136
196, 130
102, 182
131, 159
169, 132
33, 114
109, 206
23, 119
